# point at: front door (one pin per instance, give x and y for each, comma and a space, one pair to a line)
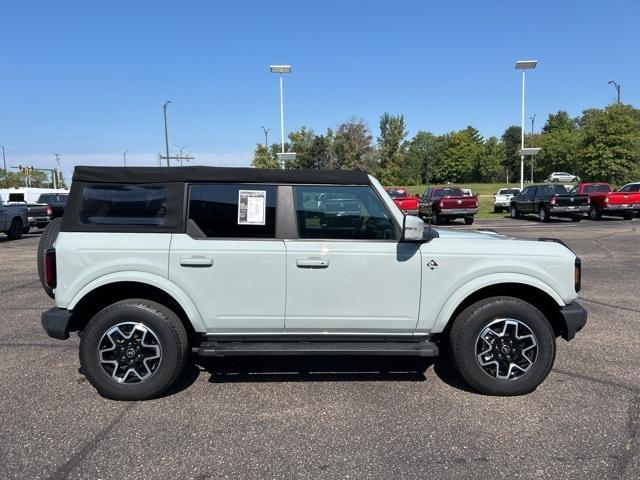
229, 261
348, 272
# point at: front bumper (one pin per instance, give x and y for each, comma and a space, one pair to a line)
570, 209
574, 317
56, 322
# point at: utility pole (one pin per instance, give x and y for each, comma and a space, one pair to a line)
4, 164
617, 85
124, 157
57, 172
166, 134
181, 157
266, 137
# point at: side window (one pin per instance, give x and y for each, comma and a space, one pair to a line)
125, 205
342, 213
224, 210
530, 193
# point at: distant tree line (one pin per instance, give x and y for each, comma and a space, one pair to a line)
601, 144
38, 179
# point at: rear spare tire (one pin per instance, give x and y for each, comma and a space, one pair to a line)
47, 239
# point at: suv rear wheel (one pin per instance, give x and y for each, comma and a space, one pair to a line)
133, 350
502, 346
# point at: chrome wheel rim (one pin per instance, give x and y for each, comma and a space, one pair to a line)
506, 349
129, 352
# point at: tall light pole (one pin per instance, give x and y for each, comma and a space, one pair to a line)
57, 170
124, 157
4, 164
533, 119
617, 85
266, 137
166, 134
523, 65
281, 69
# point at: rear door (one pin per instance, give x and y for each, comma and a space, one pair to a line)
347, 271
524, 201
229, 260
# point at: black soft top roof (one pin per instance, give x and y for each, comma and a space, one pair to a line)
216, 174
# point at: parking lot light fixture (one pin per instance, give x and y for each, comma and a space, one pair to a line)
523, 65
281, 69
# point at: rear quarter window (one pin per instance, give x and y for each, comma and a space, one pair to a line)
124, 205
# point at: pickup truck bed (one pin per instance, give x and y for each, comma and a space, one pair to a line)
447, 203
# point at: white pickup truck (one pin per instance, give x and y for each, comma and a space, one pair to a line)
502, 199
13, 219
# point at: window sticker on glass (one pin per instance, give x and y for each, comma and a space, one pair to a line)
251, 207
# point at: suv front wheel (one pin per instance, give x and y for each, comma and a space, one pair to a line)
133, 350
503, 346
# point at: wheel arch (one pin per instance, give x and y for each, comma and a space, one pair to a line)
101, 293
527, 289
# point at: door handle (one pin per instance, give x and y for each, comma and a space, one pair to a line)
197, 262
312, 263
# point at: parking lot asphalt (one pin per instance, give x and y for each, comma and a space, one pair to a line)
318, 418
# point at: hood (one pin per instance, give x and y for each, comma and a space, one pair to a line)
471, 235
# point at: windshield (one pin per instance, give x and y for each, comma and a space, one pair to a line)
447, 192
596, 188
53, 198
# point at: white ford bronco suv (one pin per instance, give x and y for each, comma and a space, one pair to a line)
153, 263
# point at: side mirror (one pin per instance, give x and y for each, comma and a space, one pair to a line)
412, 229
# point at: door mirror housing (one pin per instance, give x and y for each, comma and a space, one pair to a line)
412, 229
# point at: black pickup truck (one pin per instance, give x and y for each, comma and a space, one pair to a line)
39, 214
57, 202
548, 201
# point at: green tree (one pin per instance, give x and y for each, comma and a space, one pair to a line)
353, 146
263, 158
488, 166
511, 140
301, 141
391, 147
610, 143
560, 121
459, 158
320, 153
427, 149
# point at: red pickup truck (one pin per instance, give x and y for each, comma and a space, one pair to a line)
404, 201
604, 201
448, 203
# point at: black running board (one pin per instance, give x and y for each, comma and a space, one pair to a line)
422, 348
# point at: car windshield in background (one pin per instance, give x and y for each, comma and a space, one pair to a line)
596, 188
53, 198
508, 191
393, 193
447, 192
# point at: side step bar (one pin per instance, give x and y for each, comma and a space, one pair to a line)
422, 348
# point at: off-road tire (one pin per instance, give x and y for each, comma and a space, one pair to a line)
472, 320
171, 336
15, 230
47, 239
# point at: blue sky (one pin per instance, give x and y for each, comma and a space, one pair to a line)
88, 79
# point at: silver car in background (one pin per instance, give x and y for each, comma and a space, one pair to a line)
563, 177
